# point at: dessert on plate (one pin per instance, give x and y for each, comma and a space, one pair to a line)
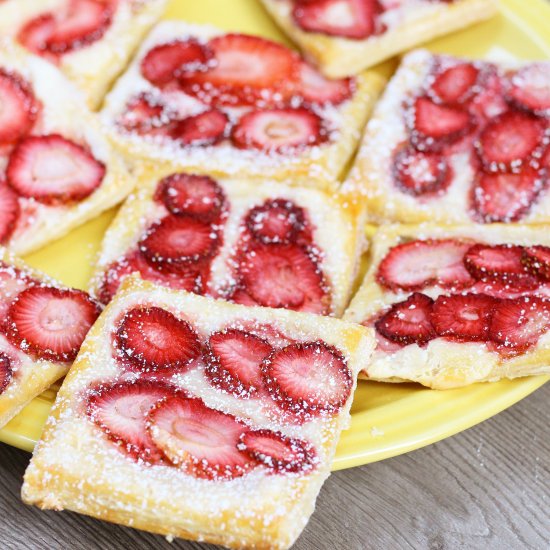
344, 37
254, 243
204, 101
57, 167
43, 324
454, 305
457, 141
91, 41
200, 419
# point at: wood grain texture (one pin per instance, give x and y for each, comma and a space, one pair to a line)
486, 488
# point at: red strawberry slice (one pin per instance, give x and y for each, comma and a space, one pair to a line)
489, 101
537, 260
12, 282
178, 240
279, 130
206, 128
315, 89
247, 69
506, 197
9, 212
518, 324
279, 453
35, 34
432, 125
419, 172
280, 275
240, 296
51, 323
146, 114
276, 221
530, 88
408, 322
52, 169
355, 19
463, 317
120, 410
6, 372
417, 264
18, 108
501, 261
455, 84
192, 195
201, 441
151, 338
234, 362
170, 61
308, 379
509, 141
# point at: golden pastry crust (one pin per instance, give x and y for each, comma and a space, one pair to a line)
333, 218
75, 467
338, 57
442, 364
372, 173
63, 112
318, 166
92, 68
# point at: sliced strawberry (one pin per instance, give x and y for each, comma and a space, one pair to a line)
121, 409
355, 19
455, 84
170, 61
276, 221
509, 141
192, 195
51, 323
489, 101
408, 322
420, 172
52, 169
463, 317
206, 128
234, 362
537, 260
279, 130
315, 89
530, 88
308, 379
9, 212
201, 441
247, 69
146, 114
178, 240
6, 372
506, 197
151, 338
281, 275
417, 264
278, 452
239, 295
518, 324
18, 108
501, 261
432, 125
34, 35
12, 282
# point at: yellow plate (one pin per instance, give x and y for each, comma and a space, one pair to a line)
387, 419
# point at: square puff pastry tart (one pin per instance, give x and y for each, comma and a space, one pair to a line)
454, 305
203, 439
43, 324
185, 102
458, 141
57, 167
345, 37
91, 41
250, 242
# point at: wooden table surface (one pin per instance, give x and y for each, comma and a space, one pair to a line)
486, 488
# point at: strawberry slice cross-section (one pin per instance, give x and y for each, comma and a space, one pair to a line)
51, 323
9, 211
530, 88
455, 84
12, 282
315, 89
276, 221
537, 261
6, 372
206, 128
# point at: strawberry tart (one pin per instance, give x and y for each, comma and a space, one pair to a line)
91, 41
458, 304
57, 168
253, 243
457, 141
42, 327
344, 37
238, 105
199, 419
